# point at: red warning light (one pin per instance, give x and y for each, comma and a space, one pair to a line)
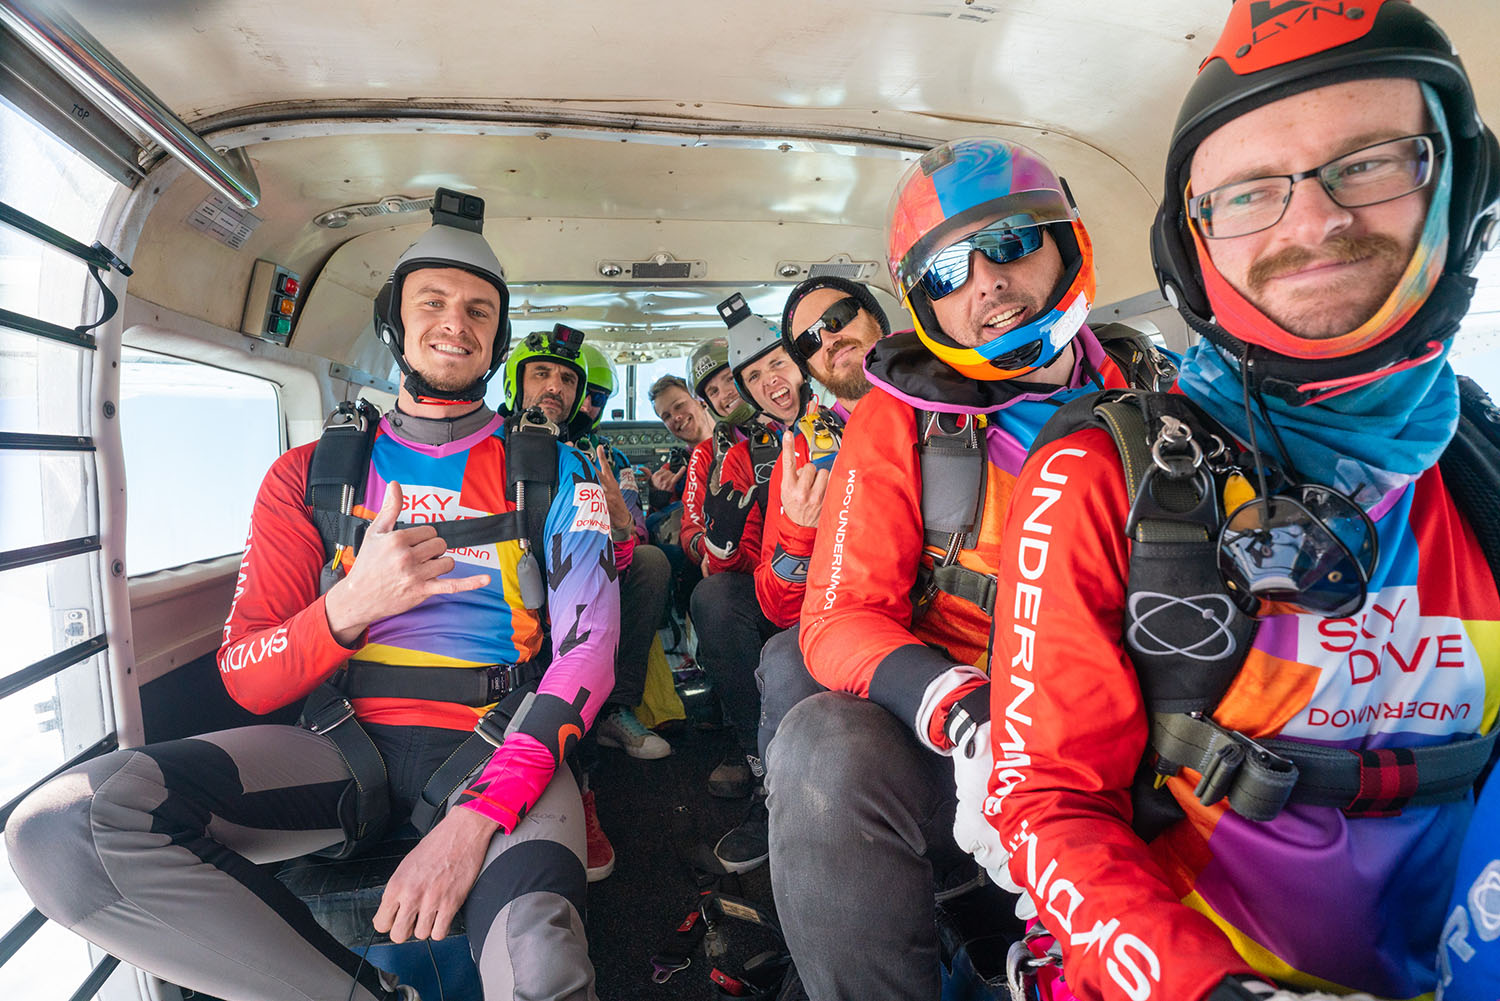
289, 285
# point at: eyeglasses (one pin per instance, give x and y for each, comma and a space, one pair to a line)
950, 266
1311, 548
834, 318
598, 397
1369, 176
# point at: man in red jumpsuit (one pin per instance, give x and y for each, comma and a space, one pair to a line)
988, 253
1329, 185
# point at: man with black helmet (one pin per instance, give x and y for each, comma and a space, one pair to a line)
1305, 713
157, 853
990, 257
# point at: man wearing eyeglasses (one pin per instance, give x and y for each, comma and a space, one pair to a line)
989, 255
1328, 188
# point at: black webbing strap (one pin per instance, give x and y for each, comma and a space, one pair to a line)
469, 686
1261, 777
531, 463
336, 479
488, 734
1471, 468
953, 469
327, 711
968, 585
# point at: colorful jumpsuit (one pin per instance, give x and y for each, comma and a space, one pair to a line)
156, 854
1314, 898
861, 807
645, 576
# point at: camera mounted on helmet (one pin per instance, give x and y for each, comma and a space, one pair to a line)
562, 345
750, 339
455, 240
996, 198
1248, 69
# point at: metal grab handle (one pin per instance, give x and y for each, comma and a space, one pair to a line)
79, 57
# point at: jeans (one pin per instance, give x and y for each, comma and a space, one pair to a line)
861, 831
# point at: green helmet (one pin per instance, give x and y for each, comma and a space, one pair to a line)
707, 359
562, 346
601, 371
600, 380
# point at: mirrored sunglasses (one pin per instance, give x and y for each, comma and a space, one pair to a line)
1002, 245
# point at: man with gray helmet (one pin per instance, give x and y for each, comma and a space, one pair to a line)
156, 854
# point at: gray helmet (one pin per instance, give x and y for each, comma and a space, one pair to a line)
454, 241
750, 338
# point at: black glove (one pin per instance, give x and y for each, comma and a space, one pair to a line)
725, 511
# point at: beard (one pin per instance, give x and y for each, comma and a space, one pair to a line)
846, 385
1337, 309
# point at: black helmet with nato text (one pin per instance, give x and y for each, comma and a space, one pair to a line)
1268, 52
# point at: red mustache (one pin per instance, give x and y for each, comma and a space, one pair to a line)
1339, 250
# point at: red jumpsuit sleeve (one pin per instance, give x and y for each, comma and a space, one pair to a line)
857, 615
778, 586
739, 472
1069, 728
277, 645
694, 486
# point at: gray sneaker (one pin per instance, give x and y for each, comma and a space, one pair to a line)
618, 727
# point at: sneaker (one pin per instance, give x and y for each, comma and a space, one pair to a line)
601, 854
748, 845
731, 778
619, 728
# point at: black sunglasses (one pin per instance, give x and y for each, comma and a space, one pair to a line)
1311, 548
834, 318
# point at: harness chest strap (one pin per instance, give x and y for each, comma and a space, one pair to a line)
1188, 639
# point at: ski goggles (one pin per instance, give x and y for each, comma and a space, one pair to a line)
834, 318
1001, 244
1311, 548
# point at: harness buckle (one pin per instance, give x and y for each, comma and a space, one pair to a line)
662, 969
500, 681
1174, 451
491, 729
1242, 769
341, 708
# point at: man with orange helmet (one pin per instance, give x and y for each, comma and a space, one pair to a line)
994, 264
1256, 785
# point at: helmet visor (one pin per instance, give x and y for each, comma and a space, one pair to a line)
1016, 212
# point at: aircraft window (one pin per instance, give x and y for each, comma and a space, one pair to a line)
197, 441
50, 499
647, 373
1476, 348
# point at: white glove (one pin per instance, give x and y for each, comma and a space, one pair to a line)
973, 761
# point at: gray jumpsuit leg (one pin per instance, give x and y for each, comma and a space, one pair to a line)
153, 854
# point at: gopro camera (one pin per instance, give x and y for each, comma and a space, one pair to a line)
677, 458
566, 341
734, 309
456, 209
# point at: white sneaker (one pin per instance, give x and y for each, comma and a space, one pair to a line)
618, 727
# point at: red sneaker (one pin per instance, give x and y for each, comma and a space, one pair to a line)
601, 854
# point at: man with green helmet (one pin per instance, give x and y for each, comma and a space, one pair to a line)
569, 382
